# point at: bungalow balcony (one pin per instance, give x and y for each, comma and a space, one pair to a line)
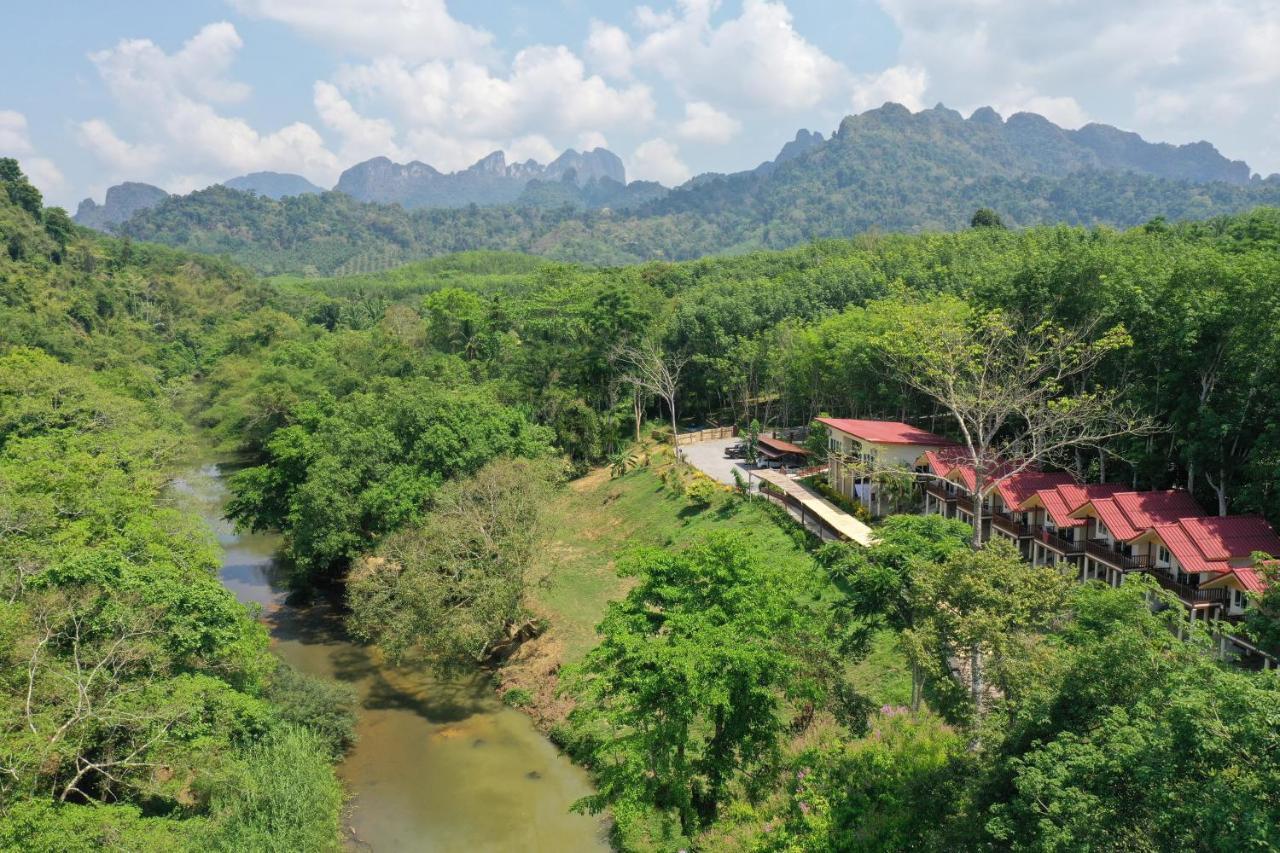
1109, 554
939, 492
1065, 547
1191, 596
1010, 525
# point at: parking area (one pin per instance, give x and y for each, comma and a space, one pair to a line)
708, 457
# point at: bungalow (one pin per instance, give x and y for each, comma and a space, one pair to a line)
942, 492
1010, 518
1191, 555
1113, 527
1055, 537
856, 445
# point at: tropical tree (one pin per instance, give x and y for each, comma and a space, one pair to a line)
457, 584
690, 676
1016, 392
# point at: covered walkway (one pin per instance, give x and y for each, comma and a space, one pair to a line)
808, 506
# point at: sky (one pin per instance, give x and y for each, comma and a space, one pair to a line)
185, 94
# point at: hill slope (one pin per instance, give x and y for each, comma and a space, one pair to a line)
885, 169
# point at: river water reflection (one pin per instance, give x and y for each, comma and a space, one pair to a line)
439, 765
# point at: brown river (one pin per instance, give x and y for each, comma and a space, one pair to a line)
439, 765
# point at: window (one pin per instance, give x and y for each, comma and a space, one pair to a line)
1162, 554
1101, 530
1237, 599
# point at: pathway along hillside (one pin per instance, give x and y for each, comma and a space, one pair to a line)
439, 765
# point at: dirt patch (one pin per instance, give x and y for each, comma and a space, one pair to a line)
535, 669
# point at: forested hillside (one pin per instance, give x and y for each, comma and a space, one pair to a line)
886, 169
405, 431
140, 707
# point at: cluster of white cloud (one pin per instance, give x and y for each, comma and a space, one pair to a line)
172, 100
420, 84
1172, 69
424, 85
15, 140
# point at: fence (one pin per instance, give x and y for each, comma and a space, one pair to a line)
705, 435
813, 523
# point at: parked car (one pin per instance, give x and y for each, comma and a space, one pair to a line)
735, 451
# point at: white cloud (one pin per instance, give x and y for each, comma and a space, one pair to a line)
592, 139
452, 109
535, 146
15, 141
609, 50
362, 137
122, 157
756, 60
900, 84
658, 160
1175, 70
704, 123
168, 100
414, 30
13, 133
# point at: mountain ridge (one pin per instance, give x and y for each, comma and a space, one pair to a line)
490, 180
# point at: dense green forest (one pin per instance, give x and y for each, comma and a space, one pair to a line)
715, 710
885, 169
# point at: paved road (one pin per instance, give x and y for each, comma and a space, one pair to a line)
708, 457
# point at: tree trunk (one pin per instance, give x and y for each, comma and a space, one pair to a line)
975, 677
977, 519
675, 431
639, 411
917, 686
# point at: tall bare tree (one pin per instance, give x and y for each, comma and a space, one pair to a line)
649, 369
1017, 392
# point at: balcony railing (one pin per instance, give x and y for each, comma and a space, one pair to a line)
1107, 553
1057, 543
940, 492
1189, 594
1006, 522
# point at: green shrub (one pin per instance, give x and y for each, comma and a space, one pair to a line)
701, 492
325, 707
284, 797
518, 697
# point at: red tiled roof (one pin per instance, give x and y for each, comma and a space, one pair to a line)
942, 461
1147, 509
1129, 514
964, 474
1076, 495
1250, 578
1062, 500
1016, 489
780, 446
886, 432
1207, 544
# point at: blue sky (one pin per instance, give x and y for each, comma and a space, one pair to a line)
187, 94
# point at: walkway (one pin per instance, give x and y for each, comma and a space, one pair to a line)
831, 516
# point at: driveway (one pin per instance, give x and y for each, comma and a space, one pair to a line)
708, 457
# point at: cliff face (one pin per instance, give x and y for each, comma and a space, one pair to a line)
491, 180
122, 201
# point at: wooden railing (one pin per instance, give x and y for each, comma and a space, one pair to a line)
1006, 522
939, 492
1107, 553
1059, 544
1189, 594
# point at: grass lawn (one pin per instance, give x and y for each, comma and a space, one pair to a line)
598, 519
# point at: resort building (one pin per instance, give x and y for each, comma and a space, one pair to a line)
855, 447
1103, 531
